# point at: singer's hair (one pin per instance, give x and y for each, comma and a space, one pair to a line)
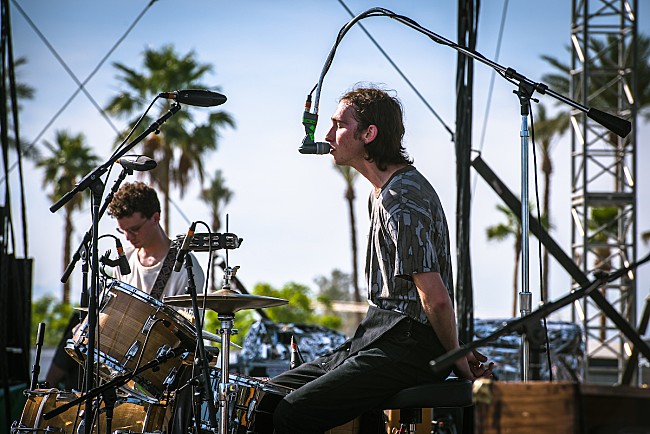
134, 197
375, 106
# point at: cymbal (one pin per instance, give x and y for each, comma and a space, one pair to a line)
226, 301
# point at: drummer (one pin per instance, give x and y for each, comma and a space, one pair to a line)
136, 208
151, 257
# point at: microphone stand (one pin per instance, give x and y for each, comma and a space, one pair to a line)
530, 324
36, 369
525, 93
526, 88
87, 237
164, 354
204, 385
93, 181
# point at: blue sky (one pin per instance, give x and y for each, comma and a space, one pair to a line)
289, 208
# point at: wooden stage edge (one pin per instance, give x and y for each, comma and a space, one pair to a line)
559, 407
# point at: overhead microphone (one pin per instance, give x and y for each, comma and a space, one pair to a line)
140, 163
196, 97
185, 248
123, 261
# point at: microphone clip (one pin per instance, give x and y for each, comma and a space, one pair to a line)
309, 121
106, 260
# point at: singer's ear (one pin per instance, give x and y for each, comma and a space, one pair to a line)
369, 134
156, 217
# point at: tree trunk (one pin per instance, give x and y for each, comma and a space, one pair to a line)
353, 235
164, 181
67, 239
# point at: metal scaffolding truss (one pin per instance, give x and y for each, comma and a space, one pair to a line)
604, 227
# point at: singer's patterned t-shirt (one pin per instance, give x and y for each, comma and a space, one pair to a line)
408, 235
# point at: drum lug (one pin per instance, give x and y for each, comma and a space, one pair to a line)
169, 380
146, 328
133, 350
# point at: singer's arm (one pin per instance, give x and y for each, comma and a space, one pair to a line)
440, 312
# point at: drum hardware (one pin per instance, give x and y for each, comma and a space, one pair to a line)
164, 354
132, 351
202, 242
169, 379
225, 302
203, 386
125, 312
130, 415
149, 323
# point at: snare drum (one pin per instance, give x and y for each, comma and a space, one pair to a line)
131, 328
129, 414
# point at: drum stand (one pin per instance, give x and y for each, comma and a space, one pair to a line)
226, 302
226, 389
201, 359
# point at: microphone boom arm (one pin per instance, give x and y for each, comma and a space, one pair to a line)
99, 171
619, 126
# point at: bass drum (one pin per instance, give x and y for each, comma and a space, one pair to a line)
130, 415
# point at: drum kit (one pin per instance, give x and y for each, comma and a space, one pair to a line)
147, 352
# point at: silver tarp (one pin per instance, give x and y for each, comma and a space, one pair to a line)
266, 349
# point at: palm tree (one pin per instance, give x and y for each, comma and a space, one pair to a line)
217, 195
607, 62
602, 224
512, 227
501, 231
23, 92
547, 130
350, 176
71, 160
182, 143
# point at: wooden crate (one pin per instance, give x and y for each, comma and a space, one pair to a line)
525, 408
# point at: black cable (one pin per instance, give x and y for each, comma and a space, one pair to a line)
399, 71
543, 288
488, 104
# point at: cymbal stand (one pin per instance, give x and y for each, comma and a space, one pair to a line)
226, 389
201, 359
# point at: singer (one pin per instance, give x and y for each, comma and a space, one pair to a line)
411, 319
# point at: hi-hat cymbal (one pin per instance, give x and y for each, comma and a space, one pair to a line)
225, 301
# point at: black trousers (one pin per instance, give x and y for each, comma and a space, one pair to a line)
336, 388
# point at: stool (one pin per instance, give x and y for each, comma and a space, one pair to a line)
451, 393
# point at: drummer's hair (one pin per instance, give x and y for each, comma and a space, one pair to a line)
134, 197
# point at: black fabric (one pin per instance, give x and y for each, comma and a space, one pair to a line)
163, 276
359, 376
62, 359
